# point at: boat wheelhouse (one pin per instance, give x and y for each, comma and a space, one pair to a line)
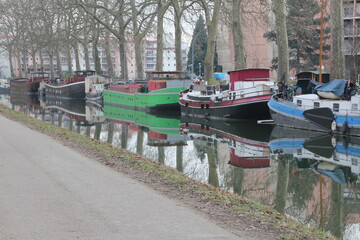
244, 97
94, 87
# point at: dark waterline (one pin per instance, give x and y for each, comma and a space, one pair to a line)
309, 176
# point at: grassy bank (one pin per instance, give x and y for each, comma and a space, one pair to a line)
229, 210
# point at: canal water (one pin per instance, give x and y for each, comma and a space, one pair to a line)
311, 177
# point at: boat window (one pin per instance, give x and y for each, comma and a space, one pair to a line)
354, 161
336, 107
299, 102
354, 107
299, 151
202, 106
186, 104
234, 96
316, 104
207, 106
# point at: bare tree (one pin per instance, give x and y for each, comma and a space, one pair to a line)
237, 33
162, 7
179, 6
278, 7
212, 11
120, 20
142, 19
337, 33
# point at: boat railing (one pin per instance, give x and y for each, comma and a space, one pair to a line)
260, 91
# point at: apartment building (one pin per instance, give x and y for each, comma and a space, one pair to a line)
169, 56
352, 38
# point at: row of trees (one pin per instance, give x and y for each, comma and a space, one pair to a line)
54, 26
58, 26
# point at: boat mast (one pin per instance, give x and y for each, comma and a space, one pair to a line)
321, 39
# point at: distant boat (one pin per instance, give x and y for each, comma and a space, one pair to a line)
73, 87
245, 97
314, 112
28, 85
159, 92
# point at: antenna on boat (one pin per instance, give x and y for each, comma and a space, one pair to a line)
321, 39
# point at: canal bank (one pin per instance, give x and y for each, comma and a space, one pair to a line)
231, 212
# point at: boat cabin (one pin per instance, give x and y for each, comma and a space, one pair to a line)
249, 77
167, 79
80, 76
96, 83
36, 76
314, 76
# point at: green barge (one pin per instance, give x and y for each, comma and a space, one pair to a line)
159, 92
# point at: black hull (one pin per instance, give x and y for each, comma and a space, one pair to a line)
258, 110
74, 90
25, 88
165, 108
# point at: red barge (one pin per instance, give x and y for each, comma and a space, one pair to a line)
245, 97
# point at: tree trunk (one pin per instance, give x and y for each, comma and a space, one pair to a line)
238, 38
138, 58
178, 35
337, 46
211, 47
18, 59
33, 55
69, 60
122, 50
77, 57
95, 51
109, 62
41, 61
11, 63
110, 67
160, 37
52, 71
282, 40
25, 61
58, 64
86, 49
178, 47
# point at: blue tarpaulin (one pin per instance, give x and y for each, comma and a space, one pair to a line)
336, 86
220, 76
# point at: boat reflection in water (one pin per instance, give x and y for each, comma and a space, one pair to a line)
323, 179
130, 128
333, 156
25, 103
247, 142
